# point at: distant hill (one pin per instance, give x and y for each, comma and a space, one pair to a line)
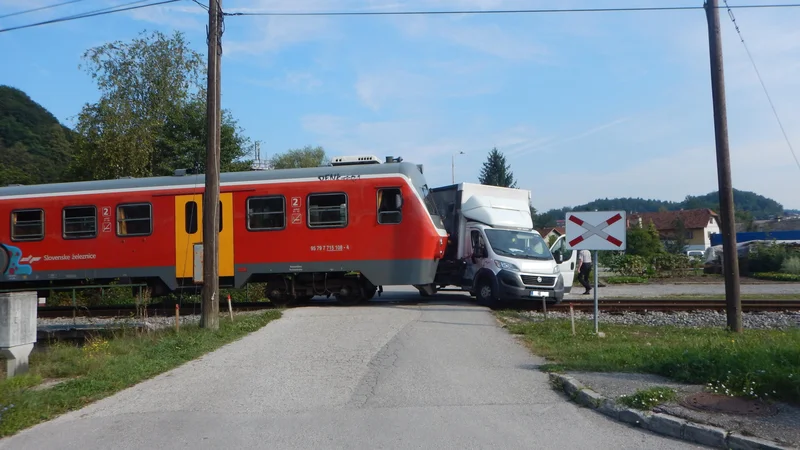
749, 205
34, 146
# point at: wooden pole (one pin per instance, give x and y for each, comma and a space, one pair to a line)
730, 255
209, 317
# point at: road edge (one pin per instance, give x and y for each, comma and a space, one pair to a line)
660, 423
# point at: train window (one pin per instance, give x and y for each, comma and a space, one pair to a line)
80, 222
134, 219
191, 221
266, 213
327, 210
27, 225
190, 217
390, 205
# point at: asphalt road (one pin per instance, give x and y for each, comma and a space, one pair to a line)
388, 375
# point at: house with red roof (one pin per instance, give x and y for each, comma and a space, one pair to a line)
554, 232
698, 224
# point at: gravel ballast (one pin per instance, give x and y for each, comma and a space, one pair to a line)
761, 320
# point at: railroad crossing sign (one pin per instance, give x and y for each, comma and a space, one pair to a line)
596, 230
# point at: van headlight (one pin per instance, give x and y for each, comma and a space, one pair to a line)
506, 266
556, 269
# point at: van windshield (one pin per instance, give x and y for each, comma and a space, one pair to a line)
518, 244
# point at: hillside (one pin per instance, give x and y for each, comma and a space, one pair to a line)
749, 205
34, 146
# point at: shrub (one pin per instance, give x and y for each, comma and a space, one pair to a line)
667, 264
766, 257
791, 265
628, 265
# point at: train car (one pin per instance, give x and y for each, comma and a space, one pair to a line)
345, 230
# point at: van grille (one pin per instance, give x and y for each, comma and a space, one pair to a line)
537, 280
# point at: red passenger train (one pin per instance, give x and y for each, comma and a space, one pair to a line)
344, 229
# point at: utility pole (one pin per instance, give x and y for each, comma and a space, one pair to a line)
453, 165
209, 317
730, 255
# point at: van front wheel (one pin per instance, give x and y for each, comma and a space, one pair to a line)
485, 294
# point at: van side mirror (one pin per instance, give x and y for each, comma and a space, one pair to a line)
558, 257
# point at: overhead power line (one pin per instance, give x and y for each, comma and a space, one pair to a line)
41, 8
763, 85
496, 11
98, 12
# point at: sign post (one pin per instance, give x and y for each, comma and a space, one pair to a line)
595, 231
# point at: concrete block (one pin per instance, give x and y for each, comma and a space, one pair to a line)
16, 359
17, 329
571, 385
705, 434
589, 398
634, 417
738, 441
666, 425
610, 408
17, 318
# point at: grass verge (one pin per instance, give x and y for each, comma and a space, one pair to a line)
777, 276
103, 367
756, 364
626, 280
646, 399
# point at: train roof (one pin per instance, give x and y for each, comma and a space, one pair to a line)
410, 170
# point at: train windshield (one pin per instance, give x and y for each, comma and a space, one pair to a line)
518, 244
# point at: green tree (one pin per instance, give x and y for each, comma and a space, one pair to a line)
151, 115
34, 146
302, 157
182, 143
644, 242
678, 238
496, 172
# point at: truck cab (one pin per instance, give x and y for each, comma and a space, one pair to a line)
493, 251
506, 264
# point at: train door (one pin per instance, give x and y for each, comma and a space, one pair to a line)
189, 236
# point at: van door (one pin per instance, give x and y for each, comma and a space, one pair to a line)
189, 232
569, 258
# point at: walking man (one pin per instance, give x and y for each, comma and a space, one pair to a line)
584, 267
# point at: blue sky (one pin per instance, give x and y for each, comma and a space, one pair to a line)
584, 106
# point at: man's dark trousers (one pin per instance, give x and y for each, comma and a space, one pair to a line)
583, 276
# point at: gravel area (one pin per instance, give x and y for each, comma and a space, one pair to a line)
686, 319
662, 290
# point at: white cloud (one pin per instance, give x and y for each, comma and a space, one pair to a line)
426, 140
178, 16
270, 34
379, 87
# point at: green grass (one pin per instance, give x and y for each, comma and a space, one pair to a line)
777, 276
756, 363
105, 366
626, 280
646, 399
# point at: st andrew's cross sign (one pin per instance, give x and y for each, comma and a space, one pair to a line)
596, 230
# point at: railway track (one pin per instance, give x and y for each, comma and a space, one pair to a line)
586, 305
51, 312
